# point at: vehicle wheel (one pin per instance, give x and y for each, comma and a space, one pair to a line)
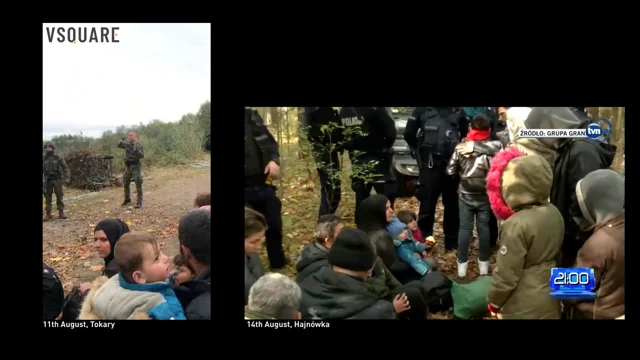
405, 185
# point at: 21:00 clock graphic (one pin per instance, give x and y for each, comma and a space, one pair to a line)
572, 283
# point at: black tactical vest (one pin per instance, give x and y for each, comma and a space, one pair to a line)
51, 164
256, 157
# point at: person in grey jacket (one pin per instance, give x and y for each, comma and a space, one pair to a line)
316, 253
255, 226
471, 162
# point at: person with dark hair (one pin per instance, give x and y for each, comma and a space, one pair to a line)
183, 271
255, 226
106, 235
375, 213
315, 254
194, 234
340, 291
140, 291
471, 162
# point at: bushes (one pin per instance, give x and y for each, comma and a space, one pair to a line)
88, 170
165, 143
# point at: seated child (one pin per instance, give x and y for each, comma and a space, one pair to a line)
140, 290
183, 271
411, 219
408, 249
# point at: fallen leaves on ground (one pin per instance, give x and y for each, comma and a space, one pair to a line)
96, 267
168, 197
300, 200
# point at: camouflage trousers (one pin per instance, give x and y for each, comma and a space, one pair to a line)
132, 173
51, 187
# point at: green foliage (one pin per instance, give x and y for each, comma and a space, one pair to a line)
363, 171
165, 143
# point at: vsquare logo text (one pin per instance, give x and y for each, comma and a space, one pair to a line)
75, 35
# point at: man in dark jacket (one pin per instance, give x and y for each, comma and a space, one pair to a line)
315, 254
325, 135
194, 234
340, 292
369, 134
261, 168
576, 159
432, 134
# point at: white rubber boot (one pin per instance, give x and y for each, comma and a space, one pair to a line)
462, 269
484, 267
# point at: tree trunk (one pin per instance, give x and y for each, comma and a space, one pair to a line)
617, 136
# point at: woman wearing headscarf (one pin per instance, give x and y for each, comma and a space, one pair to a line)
601, 198
375, 214
106, 234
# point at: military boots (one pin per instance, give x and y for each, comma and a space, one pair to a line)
61, 214
48, 216
138, 204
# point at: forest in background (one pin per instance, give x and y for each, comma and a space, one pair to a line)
165, 143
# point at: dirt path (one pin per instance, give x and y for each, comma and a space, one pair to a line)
168, 194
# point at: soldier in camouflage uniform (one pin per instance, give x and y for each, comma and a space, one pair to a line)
55, 171
134, 152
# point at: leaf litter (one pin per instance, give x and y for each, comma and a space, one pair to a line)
300, 209
70, 242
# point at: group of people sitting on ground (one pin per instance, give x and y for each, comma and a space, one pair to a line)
138, 280
558, 203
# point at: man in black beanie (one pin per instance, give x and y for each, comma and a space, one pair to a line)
340, 292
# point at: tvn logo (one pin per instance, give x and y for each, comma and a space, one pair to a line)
594, 131
76, 35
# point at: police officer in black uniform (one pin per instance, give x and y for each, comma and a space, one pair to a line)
432, 133
325, 135
377, 146
261, 167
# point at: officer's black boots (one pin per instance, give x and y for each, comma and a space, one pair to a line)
126, 202
61, 214
138, 204
48, 216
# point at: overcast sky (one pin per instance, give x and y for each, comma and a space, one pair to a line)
156, 71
